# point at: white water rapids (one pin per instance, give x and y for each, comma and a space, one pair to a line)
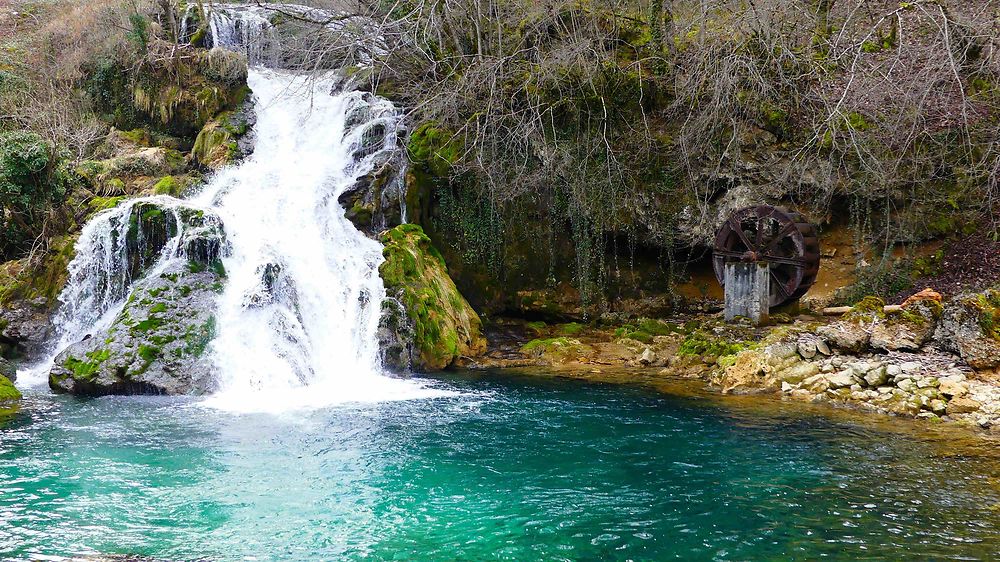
311, 340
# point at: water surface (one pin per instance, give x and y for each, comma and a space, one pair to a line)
509, 468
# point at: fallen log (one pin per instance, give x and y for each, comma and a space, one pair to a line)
840, 310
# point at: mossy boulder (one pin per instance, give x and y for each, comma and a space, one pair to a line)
223, 140
444, 325
8, 393
158, 343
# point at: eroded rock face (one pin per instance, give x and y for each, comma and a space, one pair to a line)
444, 326
969, 327
375, 202
26, 327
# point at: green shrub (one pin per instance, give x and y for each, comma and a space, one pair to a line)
34, 178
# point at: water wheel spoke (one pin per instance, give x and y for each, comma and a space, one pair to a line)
796, 262
738, 229
781, 286
785, 231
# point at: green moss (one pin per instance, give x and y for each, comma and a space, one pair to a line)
702, 344
168, 185
988, 304
867, 307
645, 329
151, 323
86, 369
158, 307
571, 329
98, 204
542, 345
538, 326
434, 148
8, 392
197, 338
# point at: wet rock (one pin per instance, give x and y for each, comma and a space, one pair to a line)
376, 200
158, 343
968, 327
25, 327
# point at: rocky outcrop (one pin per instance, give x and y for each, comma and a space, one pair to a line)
442, 324
158, 343
970, 327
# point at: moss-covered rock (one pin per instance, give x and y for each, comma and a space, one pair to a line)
8, 393
218, 142
158, 342
444, 325
175, 95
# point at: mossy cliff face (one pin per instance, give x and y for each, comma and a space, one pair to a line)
176, 96
158, 344
444, 325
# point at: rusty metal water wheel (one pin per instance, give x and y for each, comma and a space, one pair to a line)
774, 235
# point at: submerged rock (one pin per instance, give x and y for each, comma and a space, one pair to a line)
444, 326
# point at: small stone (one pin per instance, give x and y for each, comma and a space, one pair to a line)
910, 367
962, 405
939, 407
841, 379
885, 390
876, 376
807, 349
786, 387
823, 348
927, 382
647, 358
893, 370
816, 383
929, 416
907, 385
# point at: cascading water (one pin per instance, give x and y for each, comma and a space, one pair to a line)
298, 318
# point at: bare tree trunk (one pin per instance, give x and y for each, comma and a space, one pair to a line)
170, 17
823, 29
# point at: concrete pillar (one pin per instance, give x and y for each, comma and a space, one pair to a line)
748, 287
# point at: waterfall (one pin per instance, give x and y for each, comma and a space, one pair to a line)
298, 316
303, 300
